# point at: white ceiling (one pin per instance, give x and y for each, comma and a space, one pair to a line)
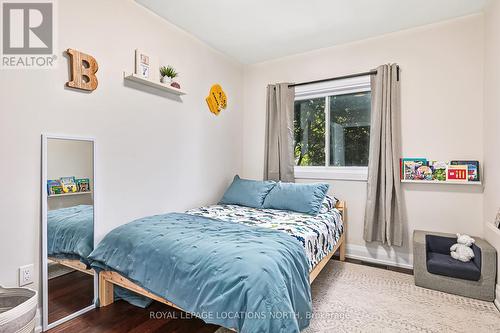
257, 30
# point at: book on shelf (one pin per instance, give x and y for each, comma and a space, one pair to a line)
82, 184
54, 187
421, 169
438, 170
472, 169
457, 173
411, 168
68, 184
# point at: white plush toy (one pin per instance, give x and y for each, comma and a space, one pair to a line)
462, 249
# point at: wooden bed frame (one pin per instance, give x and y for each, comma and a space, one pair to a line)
73, 263
107, 279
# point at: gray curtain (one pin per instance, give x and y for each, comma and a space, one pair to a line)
279, 156
383, 217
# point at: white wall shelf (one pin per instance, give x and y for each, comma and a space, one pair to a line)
447, 182
69, 193
158, 85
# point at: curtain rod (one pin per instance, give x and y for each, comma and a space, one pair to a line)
374, 72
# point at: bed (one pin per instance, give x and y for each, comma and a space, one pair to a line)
70, 236
232, 257
317, 234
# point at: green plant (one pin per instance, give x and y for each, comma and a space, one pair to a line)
168, 71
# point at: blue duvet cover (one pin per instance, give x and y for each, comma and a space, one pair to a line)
70, 232
243, 277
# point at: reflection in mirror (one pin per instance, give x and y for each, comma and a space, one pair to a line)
70, 226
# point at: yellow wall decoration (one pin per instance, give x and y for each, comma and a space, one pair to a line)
216, 99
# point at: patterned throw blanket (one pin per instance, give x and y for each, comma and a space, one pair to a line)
317, 234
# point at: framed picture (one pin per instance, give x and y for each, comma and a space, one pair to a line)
146, 66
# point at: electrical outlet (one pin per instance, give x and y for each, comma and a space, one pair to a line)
25, 275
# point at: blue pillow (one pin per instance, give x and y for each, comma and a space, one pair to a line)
301, 198
244, 192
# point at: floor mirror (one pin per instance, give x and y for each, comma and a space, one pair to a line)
68, 220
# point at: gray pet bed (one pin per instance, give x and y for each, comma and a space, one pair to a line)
17, 310
475, 279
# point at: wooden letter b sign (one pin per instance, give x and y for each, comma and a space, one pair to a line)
83, 69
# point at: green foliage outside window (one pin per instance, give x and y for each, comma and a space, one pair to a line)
349, 130
351, 113
309, 132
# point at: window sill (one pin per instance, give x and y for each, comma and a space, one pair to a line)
332, 173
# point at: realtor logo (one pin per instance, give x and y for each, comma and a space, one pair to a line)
28, 34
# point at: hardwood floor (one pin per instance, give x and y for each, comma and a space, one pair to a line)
69, 293
121, 317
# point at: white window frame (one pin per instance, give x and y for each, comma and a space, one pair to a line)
326, 89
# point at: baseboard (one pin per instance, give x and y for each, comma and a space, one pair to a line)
379, 255
497, 298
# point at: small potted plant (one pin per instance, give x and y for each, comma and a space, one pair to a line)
168, 74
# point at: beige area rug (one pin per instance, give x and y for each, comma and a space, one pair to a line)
355, 298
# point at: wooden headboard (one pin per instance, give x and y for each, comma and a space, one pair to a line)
341, 207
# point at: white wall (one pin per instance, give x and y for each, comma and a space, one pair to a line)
150, 148
492, 127
442, 116
66, 158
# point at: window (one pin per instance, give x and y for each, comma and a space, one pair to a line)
332, 129
309, 131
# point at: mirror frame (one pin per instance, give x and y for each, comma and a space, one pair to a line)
44, 196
